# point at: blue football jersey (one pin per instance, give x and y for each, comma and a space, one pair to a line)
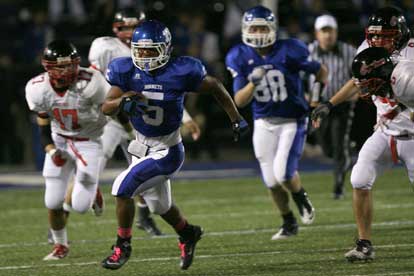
165, 90
280, 93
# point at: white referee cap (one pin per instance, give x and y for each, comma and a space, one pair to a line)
325, 20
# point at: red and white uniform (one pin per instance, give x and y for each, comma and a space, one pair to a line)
104, 49
393, 138
77, 124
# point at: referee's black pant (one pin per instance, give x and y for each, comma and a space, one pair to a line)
334, 138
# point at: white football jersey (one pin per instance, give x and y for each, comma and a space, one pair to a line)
75, 112
104, 49
401, 124
402, 82
406, 53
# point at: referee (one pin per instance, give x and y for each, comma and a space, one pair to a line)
333, 134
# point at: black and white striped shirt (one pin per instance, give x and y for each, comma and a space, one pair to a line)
339, 62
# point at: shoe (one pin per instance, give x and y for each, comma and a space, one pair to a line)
338, 196
187, 246
364, 251
286, 231
305, 207
119, 257
60, 251
50, 237
99, 203
338, 192
148, 225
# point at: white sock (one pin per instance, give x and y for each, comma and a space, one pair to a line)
67, 207
142, 205
60, 236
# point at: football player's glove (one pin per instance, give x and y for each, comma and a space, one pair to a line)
59, 157
240, 129
321, 111
134, 105
257, 75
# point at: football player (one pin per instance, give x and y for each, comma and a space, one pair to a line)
67, 100
120, 132
150, 87
386, 28
266, 74
392, 141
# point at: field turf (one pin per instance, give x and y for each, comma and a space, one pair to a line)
238, 218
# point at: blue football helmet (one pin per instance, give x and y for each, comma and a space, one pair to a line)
151, 35
258, 16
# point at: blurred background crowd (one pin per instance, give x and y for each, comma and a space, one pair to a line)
203, 29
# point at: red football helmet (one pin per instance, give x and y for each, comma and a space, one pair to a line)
61, 61
125, 21
371, 71
387, 28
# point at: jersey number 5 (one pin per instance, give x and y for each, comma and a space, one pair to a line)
155, 114
272, 87
61, 114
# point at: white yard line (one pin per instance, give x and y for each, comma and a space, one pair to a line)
385, 274
225, 233
17, 212
246, 254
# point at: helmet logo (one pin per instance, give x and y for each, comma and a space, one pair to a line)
375, 28
145, 40
167, 35
366, 69
63, 59
131, 21
393, 21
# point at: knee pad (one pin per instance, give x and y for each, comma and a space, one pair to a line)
268, 176
270, 182
53, 203
81, 205
280, 175
158, 198
158, 207
83, 197
363, 176
54, 193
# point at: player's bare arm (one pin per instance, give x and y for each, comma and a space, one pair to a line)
245, 95
322, 110
345, 93
216, 88
113, 100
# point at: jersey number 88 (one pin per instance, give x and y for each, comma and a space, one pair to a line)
272, 87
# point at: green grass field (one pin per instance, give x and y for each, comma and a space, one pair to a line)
238, 219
